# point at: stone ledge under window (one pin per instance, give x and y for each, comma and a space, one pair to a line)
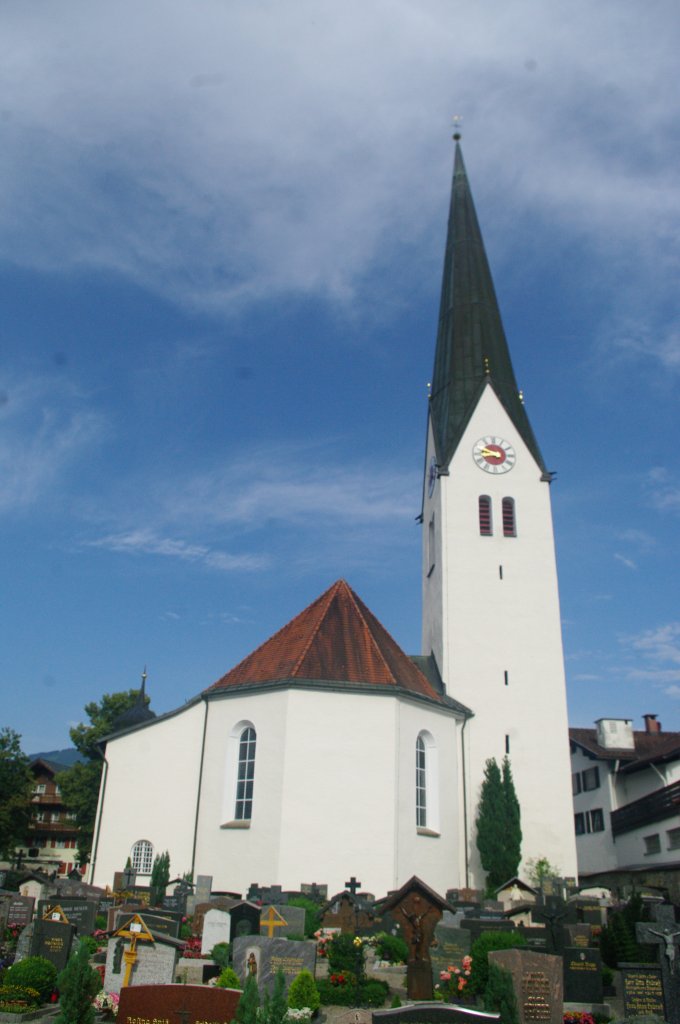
427, 832
236, 824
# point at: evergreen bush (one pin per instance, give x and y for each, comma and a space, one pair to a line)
373, 992
220, 953
78, 985
346, 953
391, 947
303, 992
275, 1006
229, 979
33, 972
499, 995
337, 995
481, 948
249, 1003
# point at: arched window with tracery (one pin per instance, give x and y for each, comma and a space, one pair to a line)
245, 776
141, 857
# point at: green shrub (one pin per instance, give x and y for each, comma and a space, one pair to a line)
275, 1006
92, 944
303, 992
396, 1002
346, 953
229, 979
19, 994
336, 995
33, 972
373, 992
249, 1003
312, 913
220, 954
78, 985
100, 922
499, 995
481, 948
607, 975
391, 947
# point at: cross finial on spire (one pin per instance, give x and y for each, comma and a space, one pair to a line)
456, 121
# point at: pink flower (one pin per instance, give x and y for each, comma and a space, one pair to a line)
445, 976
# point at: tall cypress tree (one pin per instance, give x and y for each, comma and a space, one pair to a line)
499, 835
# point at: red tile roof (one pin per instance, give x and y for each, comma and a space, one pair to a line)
337, 639
649, 747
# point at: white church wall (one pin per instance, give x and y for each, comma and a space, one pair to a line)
494, 625
150, 793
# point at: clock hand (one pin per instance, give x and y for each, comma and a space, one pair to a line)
488, 453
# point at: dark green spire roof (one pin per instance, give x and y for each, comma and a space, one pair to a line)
471, 347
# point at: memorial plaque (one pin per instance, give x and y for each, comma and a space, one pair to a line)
192, 1004
537, 981
20, 911
263, 957
582, 975
642, 991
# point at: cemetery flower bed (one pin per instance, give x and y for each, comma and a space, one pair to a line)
454, 980
107, 1003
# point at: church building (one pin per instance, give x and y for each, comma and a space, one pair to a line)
328, 751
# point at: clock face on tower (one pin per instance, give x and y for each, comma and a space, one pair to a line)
493, 454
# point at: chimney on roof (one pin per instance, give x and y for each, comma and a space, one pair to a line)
615, 733
651, 724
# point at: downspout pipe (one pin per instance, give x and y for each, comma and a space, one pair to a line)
198, 792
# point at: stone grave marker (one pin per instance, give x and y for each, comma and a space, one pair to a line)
24, 943
273, 894
449, 947
80, 913
136, 957
593, 914
578, 935
536, 938
478, 925
314, 891
20, 911
245, 919
216, 903
664, 935
263, 957
52, 940
642, 990
553, 915
291, 921
582, 975
4, 908
158, 923
190, 1004
216, 928
124, 910
537, 980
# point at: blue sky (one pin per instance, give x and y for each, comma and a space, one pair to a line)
221, 240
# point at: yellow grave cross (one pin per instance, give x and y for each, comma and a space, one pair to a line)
136, 931
271, 921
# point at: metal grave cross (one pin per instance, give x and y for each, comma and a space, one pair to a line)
665, 937
352, 885
271, 921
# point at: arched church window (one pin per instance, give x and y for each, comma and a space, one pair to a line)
141, 857
485, 525
427, 785
509, 524
245, 777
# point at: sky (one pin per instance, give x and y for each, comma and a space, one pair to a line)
221, 238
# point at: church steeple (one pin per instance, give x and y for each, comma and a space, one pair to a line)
472, 350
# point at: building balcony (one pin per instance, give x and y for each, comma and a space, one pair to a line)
48, 799
662, 803
45, 828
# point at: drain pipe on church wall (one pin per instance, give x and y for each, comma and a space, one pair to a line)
198, 793
465, 812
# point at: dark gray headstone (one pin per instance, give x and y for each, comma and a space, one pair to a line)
52, 940
578, 935
293, 919
449, 947
80, 913
477, 926
642, 990
263, 957
582, 975
20, 911
536, 938
245, 920
537, 981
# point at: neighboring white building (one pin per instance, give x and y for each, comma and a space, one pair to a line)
328, 752
491, 614
626, 794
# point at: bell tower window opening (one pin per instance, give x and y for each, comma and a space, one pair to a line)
485, 523
509, 525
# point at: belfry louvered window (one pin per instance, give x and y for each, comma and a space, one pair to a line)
485, 524
246, 775
509, 524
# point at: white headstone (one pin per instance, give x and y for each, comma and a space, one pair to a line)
216, 928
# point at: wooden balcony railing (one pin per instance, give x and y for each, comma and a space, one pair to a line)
662, 803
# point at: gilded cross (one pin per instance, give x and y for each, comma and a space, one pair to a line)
271, 921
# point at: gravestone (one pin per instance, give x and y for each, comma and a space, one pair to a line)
263, 957
20, 911
216, 903
177, 902
190, 1004
664, 934
78, 912
286, 920
537, 981
154, 964
449, 947
24, 943
553, 914
316, 892
158, 923
582, 975
536, 938
578, 935
216, 928
245, 919
479, 925
642, 990
52, 940
123, 910
273, 894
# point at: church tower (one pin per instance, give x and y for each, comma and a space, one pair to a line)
491, 614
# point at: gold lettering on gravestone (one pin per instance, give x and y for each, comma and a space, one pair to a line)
287, 964
582, 965
147, 1020
643, 994
55, 943
536, 990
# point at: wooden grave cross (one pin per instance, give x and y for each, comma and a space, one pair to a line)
352, 885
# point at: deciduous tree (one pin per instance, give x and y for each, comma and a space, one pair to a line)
16, 785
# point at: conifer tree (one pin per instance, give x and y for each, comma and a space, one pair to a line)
78, 985
499, 835
160, 876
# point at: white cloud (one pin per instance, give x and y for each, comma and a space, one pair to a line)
628, 562
146, 542
44, 430
229, 150
654, 655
